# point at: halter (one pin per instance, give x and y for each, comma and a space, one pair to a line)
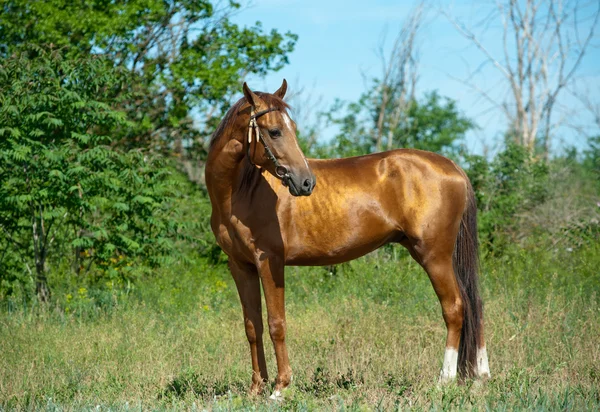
254, 129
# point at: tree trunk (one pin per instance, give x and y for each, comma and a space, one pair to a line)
39, 248
41, 287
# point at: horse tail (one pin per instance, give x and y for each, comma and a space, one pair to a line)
466, 267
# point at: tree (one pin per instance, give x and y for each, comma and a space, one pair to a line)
389, 115
62, 185
433, 123
188, 56
395, 90
543, 44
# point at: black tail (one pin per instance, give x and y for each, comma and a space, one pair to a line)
466, 267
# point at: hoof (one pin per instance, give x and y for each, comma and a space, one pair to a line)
282, 387
257, 389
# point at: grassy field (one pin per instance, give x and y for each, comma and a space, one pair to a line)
369, 336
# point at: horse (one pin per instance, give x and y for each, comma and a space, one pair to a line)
272, 207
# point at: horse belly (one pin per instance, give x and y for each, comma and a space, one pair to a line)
332, 257
329, 245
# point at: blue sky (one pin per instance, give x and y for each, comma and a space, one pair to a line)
337, 43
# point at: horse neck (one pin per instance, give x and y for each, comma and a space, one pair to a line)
225, 166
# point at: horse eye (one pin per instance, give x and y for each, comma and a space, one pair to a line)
275, 133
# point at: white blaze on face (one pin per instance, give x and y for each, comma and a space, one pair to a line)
450, 366
287, 120
483, 367
288, 123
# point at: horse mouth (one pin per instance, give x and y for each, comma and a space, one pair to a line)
289, 183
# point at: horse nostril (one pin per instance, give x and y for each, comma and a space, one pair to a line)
307, 184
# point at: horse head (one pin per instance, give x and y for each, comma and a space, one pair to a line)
271, 126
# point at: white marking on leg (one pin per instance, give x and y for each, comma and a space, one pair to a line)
450, 366
276, 396
483, 367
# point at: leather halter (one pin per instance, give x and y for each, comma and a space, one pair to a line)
254, 129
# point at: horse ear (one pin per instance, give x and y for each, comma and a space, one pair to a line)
250, 96
281, 91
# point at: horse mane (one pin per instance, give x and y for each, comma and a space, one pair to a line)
232, 114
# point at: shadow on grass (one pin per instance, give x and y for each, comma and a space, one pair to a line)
323, 383
192, 383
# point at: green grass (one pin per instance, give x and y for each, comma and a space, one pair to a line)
369, 336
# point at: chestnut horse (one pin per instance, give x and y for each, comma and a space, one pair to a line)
271, 207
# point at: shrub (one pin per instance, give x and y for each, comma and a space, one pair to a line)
63, 187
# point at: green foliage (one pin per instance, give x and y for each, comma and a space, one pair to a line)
353, 138
512, 183
64, 188
433, 123
187, 53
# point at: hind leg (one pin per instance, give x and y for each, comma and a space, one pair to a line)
441, 274
437, 262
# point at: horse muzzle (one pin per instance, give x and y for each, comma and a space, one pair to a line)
299, 186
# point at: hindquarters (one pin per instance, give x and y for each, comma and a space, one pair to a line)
439, 222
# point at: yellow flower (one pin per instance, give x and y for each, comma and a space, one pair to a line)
82, 292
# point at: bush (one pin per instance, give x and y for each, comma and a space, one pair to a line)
65, 190
510, 184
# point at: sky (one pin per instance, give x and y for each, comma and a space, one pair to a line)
337, 46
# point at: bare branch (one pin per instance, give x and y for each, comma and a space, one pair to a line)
539, 60
470, 36
493, 101
399, 78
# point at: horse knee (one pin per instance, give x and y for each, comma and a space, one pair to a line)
252, 331
277, 329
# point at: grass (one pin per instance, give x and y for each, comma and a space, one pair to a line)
368, 336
